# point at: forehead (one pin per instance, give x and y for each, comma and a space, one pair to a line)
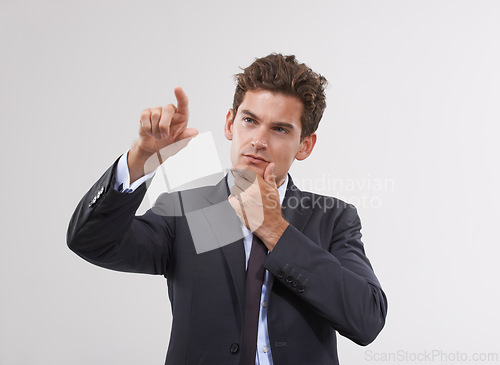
270, 106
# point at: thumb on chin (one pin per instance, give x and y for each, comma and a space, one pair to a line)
269, 174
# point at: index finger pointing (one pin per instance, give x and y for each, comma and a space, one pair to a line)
182, 101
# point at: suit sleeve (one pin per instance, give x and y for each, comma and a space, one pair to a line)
338, 283
105, 231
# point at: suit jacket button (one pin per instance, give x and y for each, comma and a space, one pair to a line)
289, 279
234, 348
295, 283
301, 289
281, 273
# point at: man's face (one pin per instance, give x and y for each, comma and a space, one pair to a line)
266, 129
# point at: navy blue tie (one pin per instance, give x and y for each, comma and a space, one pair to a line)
253, 290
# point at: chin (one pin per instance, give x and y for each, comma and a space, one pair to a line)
258, 169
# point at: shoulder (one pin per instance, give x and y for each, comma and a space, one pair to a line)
310, 200
328, 207
180, 202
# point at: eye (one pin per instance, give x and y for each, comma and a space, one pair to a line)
281, 130
249, 120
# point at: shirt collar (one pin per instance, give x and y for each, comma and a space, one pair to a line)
282, 189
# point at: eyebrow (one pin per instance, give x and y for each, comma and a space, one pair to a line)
275, 124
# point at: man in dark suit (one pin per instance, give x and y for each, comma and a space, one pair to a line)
258, 272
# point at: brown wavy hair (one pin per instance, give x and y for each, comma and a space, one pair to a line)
284, 74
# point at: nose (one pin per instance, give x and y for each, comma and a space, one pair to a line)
259, 144
259, 139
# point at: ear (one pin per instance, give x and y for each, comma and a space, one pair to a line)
228, 127
306, 147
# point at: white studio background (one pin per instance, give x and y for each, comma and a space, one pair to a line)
409, 136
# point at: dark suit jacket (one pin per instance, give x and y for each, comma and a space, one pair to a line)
322, 282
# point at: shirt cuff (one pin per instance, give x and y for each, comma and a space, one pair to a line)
122, 182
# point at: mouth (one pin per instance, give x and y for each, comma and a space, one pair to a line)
255, 159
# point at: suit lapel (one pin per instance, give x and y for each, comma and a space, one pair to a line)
234, 252
292, 207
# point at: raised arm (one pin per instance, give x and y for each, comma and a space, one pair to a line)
103, 229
